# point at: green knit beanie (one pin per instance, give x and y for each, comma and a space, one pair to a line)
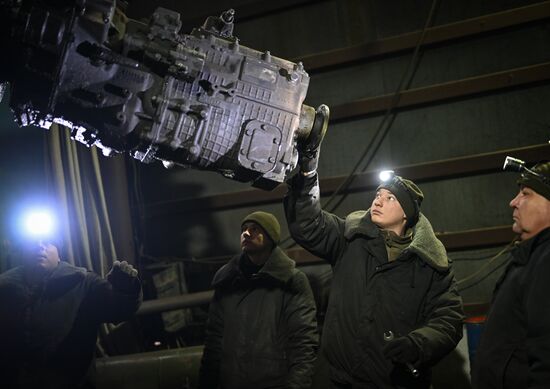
538, 184
268, 222
408, 194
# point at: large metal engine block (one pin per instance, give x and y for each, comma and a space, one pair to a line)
200, 100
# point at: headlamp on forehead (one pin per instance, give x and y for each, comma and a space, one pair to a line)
517, 165
386, 175
407, 193
37, 224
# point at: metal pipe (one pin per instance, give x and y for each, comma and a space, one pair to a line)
175, 302
175, 368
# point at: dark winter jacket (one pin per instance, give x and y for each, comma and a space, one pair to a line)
514, 350
262, 330
48, 333
413, 296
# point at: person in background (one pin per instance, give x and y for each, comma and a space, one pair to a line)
514, 348
50, 314
262, 329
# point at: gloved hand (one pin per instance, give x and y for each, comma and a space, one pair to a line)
308, 162
401, 350
308, 148
123, 276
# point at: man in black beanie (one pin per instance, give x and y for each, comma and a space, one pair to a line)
394, 309
514, 349
262, 328
50, 313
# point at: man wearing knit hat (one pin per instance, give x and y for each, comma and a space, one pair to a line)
394, 309
262, 328
51, 311
514, 349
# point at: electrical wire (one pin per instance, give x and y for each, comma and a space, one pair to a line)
389, 116
384, 126
139, 230
482, 273
480, 257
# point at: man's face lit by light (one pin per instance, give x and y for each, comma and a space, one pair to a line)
41, 254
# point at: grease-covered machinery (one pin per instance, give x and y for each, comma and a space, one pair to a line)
201, 100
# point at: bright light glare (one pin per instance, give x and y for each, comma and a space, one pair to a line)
38, 223
386, 175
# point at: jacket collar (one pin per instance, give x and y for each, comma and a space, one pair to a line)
63, 278
62, 270
278, 267
523, 250
424, 243
65, 269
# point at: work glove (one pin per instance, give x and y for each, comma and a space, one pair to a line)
123, 277
401, 350
308, 148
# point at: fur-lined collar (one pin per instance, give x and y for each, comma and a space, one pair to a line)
278, 266
424, 243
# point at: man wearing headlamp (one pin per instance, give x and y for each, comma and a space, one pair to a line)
514, 349
394, 309
50, 314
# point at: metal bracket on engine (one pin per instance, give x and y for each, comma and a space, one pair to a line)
260, 146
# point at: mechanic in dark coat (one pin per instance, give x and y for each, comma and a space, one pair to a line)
262, 329
514, 349
390, 274
50, 314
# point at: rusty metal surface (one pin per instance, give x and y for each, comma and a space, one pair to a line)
424, 172
439, 93
439, 34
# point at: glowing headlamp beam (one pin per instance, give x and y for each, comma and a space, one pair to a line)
38, 223
386, 175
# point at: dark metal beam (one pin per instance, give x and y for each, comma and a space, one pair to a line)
477, 238
439, 93
424, 172
251, 10
469, 165
448, 32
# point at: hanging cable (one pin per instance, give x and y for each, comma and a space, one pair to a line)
482, 273
389, 116
384, 126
